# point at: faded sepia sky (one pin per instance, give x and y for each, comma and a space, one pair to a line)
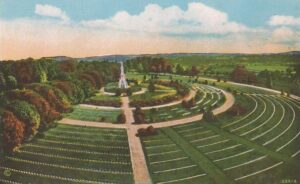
79, 28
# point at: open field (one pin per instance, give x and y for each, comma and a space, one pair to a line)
225, 63
72, 154
92, 114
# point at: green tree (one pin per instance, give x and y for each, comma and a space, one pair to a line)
269, 81
11, 82
2, 82
179, 69
28, 114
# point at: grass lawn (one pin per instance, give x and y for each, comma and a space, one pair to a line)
92, 114
210, 98
148, 97
104, 100
261, 146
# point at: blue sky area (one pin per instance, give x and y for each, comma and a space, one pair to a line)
249, 12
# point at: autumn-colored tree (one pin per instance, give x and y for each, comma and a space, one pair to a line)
46, 112
89, 78
239, 74
67, 66
13, 131
23, 71
98, 78
194, 71
56, 98
242, 75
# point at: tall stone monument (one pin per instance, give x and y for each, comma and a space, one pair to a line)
122, 80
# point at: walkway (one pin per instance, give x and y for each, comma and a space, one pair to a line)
227, 105
138, 161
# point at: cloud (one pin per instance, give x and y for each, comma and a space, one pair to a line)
282, 20
51, 11
146, 32
77, 41
198, 18
285, 34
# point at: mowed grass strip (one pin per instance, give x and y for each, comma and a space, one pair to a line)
199, 158
257, 147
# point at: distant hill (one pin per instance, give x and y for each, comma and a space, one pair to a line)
119, 58
59, 58
291, 53
116, 58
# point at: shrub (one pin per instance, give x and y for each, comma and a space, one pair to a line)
146, 131
26, 113
188, 104
121, 118
12, 131
129, 92
184, 103
237, 109
151, 86
198, 95
118, 92
209, 116
139, 116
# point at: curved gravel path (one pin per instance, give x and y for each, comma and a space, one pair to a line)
228, 103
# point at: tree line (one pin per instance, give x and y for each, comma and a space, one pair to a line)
35, 93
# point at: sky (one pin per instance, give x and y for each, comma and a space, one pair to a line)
80, 28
